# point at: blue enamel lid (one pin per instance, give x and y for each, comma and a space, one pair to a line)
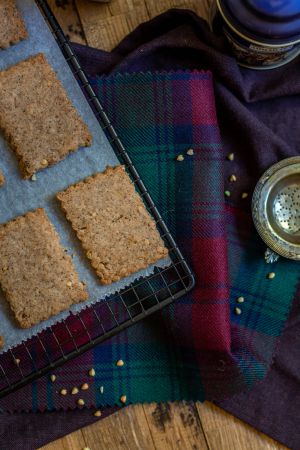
270, 20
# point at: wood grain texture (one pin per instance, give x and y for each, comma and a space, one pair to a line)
74, 441
107, 36
123, 6
66, 13
175, 426
106, 24
225, 432
167, 426
126, 430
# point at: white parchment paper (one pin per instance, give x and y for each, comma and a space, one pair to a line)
19, 196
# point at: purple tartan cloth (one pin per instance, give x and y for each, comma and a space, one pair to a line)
255, 110
29, 431
273, 405
244, 101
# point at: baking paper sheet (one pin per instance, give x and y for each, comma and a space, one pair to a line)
19, 196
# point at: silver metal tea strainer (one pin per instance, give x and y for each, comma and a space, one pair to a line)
276, 209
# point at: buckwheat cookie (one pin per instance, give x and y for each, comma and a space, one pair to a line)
113, 224
36, 274
12, 26
36, 116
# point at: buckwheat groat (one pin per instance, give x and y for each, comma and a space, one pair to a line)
115, 229
12, 27
36, 275
36, 116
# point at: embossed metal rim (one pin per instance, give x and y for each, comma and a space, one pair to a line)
259, 213
249, 39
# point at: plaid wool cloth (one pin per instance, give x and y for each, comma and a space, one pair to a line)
197, 347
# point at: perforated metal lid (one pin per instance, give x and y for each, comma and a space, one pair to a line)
276, 208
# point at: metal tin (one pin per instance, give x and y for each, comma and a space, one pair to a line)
276, 208
262, 34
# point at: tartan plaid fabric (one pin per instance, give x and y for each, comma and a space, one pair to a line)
197, 347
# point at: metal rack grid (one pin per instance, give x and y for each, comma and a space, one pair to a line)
80, 332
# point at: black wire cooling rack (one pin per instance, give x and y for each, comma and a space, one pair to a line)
81, 331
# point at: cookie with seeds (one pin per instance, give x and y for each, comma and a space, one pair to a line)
36, 116
12, 29
110, 219
36, 274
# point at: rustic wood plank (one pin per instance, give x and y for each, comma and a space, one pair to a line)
123, 6
175, 426
91, 12
125, 430
67, 16
201, 8
106, 34
136, 17
154, 7
225, 432
74, 441
105, 25
168, 426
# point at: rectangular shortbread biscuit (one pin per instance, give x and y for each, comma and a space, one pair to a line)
2, 179
36, 274
12, 27
116, 231
36, 116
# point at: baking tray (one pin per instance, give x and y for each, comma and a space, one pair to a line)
83, 330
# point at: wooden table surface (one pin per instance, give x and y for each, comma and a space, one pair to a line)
166, 426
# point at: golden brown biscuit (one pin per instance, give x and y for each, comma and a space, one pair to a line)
36, 274
36, 116
111, 220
